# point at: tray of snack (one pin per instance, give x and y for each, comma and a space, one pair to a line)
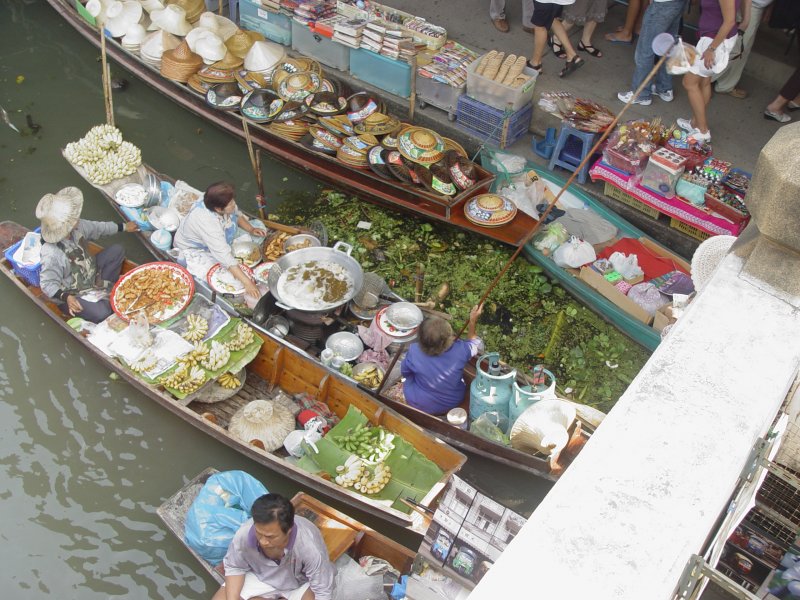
160, 290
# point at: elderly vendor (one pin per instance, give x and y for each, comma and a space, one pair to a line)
206, 234
277, 555
71, 275
433, 367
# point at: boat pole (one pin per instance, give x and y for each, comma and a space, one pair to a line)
108, 101
255, 163
554, 201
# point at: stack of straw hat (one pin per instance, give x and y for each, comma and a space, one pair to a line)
192, 8
179, 64
172, 20
155, 44
133, 38
121, 16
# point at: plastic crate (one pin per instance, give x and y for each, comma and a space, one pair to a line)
393, 76
617, 194
492, 124
29, 274
496, 94
694, 232
438, 94
322, 49
273, 26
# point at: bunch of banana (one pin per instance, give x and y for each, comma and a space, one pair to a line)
370, 377
217, 358
372, 485
144, 363
197, 328
244, 337
350, 472
370, 443
199, 353
197, 377
229, 381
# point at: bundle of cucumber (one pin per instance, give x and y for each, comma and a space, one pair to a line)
370, 443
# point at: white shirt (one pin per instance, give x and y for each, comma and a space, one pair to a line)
203, 229
562, 2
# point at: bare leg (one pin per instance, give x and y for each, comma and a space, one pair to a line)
692, 85
625, 34
539, 42
777, 105
558, 29
567, 26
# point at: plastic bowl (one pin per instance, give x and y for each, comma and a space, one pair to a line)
404, 315
360, 367
163, 217
346, 345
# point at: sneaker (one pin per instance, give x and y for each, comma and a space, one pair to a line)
700, 137
685, 124
665, 96
626, 97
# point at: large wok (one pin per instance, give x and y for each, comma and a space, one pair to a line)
339, 254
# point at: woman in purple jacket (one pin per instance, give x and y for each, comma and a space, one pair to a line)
433, 367
717, 30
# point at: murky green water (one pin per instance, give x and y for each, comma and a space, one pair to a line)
84, 460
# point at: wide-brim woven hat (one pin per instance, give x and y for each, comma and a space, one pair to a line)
134, 36
707, 257
263, 56
158, 42
220, 25
59, 213
210, 48
172, 20
179, 64
193, 8
130, 14
240, 41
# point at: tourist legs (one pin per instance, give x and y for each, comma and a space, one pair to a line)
660, 17
727, 82
632, 16
698, 90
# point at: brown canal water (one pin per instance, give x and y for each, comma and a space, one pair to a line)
86, 460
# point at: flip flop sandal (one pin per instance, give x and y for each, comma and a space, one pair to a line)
556, 47
618, 41
791, 107
572, 65
737, 93
590, 50
779, 117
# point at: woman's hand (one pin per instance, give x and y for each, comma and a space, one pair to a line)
258, 232
130, 227
708, 58
73, 305
476, 312
251, 289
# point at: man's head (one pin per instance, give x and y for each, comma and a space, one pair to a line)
273, 518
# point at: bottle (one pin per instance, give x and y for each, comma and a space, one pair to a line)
326, 356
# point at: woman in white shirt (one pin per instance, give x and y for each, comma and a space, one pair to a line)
205, 235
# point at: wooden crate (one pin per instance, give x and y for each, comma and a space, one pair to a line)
694, 232
614, 192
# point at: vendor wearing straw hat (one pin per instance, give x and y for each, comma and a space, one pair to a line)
71, 275
205, 235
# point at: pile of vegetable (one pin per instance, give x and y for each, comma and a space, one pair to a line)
528, 318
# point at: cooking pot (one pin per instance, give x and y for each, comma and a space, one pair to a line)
339, 255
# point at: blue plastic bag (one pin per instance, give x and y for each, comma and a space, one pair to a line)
220, 508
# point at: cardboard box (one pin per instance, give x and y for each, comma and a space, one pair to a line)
598, 282
662, 318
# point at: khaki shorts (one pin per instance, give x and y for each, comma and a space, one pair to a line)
254, 587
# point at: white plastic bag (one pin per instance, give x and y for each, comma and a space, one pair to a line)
575, 253
626, 265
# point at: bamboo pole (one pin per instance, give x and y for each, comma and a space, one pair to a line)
106, 79
555, 200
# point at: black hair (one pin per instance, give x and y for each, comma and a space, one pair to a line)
218, 195
273, 507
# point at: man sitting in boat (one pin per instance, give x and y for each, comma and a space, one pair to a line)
206, 234
277, 555
71, 275
433, 367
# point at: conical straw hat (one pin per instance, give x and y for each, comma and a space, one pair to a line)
241, 41
172, 19
180, 63
263, 56
158, 42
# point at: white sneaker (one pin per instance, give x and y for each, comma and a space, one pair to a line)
626, 97
685, 124
665, 96
700, 137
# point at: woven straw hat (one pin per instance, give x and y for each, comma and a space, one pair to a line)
193, 8
180, 63
130, 14
222, 26
263, 421
172, 19
707, 257
210, 48
152, 5
158, 42
59, 213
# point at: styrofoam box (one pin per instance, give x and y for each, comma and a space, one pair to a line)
496, 94
273, 26
322, 49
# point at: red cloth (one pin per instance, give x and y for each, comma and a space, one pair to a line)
651, 263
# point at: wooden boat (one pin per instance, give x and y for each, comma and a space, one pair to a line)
276, 367
342, 534
363, 183
638, 330
537, 464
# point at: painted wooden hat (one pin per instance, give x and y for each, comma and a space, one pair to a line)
361, 105
376, 157
436, 179
462, 170
378, 124
313, 143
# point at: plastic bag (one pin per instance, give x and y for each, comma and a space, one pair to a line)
140, 331
526, 191
647, 296
626, 265
681, 57
492, 426
352, 583
220, 508
575, 253
553, 236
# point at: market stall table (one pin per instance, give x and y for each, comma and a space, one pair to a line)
676, 207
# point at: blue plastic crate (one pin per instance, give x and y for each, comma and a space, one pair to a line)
493, 124
393, 76
274, 26
29, 274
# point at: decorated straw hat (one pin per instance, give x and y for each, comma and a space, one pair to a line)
193, 8
361, 143
329, 85
172, 20
227, 66
222, 26
297, 86
312, 143
376, 157
180, 63
240, 41
210, 48
462, 170
129, 14
361, 105
291, 111
490, 210
211, 74
292, 129
420, 145
260, 105
263, 56
198, 85
59, 213
224, 96
325, 103
305, 63
436, 179
325, 137
352, 157
338, 125
397, 167
252, 80
378, 124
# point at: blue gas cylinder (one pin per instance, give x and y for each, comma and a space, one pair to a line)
543, 387
492, 387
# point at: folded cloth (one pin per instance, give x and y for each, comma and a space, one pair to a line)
374, 337
380, 357
587, 225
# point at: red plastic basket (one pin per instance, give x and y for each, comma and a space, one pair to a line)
725, 210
